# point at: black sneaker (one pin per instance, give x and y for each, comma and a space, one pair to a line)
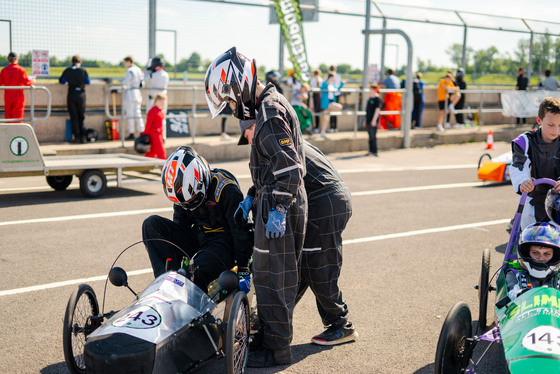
336, 335
130, 137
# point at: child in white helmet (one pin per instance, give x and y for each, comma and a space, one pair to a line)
539, 253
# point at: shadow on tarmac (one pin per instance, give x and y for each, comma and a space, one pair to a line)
71, 195
55, 368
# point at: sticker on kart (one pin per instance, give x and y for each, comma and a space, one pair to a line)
543, 339
144, 317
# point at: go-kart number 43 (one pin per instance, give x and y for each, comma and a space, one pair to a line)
543, 339
144, 317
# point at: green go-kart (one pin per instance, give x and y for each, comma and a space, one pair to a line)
527, 328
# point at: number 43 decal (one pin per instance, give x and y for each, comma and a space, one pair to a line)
543, 339
144, 317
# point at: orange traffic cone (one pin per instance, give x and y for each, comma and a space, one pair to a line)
490, 140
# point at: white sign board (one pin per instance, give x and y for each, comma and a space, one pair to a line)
40, 65
373, 73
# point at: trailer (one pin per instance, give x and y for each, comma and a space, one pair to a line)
20, 156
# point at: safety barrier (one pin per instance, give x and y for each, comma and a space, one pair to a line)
356, 111
32, 117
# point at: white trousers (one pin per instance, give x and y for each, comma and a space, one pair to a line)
132, 108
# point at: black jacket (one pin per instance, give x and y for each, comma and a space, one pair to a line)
215, 216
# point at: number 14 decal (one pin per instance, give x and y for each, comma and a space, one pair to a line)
543, 339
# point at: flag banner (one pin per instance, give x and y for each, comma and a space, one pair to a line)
289, 15
524, 104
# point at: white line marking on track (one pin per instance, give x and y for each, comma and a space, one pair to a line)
389, 168
158, 210
66, 283
419, 188
88, 216
426, 231
345, 242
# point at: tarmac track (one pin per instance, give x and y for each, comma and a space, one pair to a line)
412, 250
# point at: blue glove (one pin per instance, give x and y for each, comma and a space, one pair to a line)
276, 225
244, 281
242, 213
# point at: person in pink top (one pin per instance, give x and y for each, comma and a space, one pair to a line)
154, 128
14, 75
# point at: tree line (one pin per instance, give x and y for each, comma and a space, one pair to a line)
546, 55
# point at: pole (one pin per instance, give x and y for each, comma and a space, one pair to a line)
365, 74
281, 54
408, 82
152, 28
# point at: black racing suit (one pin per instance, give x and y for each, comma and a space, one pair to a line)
209, 228
77, 78
534, 158
277, 166
329, 205
461, 103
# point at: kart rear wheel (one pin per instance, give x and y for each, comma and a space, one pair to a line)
237, 334
483, 289
452, 348
59, 182
77, 326
93, 183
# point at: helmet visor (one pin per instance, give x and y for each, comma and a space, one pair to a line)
215, 107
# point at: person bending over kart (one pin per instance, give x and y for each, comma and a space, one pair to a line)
535, 155
539, 257
329, 209
205, 201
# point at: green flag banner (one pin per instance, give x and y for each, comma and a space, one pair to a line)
289, 15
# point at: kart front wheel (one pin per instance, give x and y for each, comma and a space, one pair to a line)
453, 350
77, 326
483, 289
237, 334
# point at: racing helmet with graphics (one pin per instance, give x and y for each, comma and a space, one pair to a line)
186, 178
232, 76
552, 206
540, 234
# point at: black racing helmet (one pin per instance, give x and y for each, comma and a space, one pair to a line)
552, 205
232, 76
154, 63
542, 234
92, 135
142, 144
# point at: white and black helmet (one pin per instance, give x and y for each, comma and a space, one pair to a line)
542, 234
232, 76
186, 178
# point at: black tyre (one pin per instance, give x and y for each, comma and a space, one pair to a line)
483, 290
77, 326
452, 348
93, 183
59, 182
237, 335
482, 158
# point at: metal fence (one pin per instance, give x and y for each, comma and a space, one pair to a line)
32, 118
354, 111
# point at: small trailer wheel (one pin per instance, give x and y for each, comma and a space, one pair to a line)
59, 182
93, 183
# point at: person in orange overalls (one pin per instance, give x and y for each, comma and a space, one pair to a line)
14, 75
154, 128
